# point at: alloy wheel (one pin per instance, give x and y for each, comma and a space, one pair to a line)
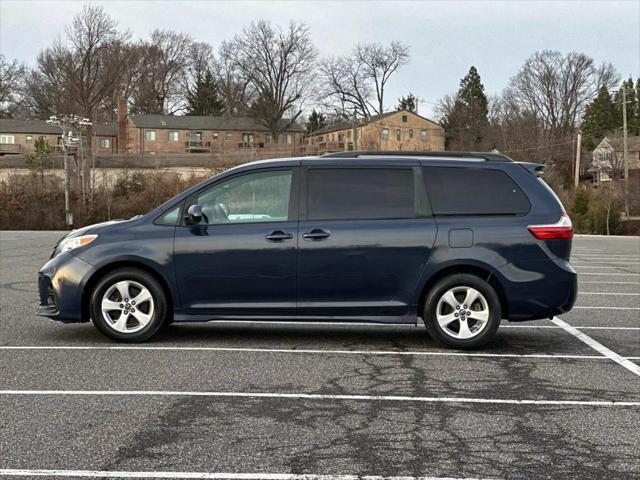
127, 306
462, 312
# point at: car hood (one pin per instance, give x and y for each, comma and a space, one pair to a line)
97, 228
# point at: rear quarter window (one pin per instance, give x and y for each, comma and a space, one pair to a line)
474, 191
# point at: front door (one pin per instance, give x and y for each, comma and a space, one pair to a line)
365, 236
241, 258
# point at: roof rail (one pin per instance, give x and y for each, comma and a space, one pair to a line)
487, 156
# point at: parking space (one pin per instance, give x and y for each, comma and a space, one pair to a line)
546, 399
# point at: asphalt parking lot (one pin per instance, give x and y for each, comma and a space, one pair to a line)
549, 399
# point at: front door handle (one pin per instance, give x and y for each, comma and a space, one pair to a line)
316, 234
278, 236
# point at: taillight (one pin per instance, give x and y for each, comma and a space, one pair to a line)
561, 230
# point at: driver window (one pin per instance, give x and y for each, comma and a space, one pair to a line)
254, 197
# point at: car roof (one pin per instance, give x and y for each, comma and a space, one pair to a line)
379, 156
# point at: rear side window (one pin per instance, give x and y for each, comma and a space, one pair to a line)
468, 191
360, 193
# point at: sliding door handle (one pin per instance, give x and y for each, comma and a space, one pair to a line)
278, 236
316, 234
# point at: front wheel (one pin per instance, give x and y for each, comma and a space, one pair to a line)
128, 305
462, 311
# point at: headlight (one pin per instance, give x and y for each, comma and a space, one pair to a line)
75, 242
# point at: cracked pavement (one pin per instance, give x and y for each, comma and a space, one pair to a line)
326, 436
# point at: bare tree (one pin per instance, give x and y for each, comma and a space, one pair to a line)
557, 88
356, 84
380, 63
81, 71
11, 86
235, 86
163, 69
345, 89
279, 65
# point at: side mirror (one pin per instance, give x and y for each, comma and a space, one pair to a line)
194, 215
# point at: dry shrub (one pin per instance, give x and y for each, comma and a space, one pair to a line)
36, 202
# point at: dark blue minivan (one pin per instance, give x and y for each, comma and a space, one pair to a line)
461, 240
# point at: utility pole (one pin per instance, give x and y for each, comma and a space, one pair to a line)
67, 123
625, 157
624, 132
576, 173
355, 131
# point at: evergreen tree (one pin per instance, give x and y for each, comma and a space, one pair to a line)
316, 121
467, 121
636, 117
632, 105
601, 117
205, 97
408, 103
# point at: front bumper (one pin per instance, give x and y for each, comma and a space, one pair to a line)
61, 284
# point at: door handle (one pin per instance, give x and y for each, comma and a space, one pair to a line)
316, 234
278, 236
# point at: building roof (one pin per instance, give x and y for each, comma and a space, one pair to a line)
204, 122
616, 142
344, 124
9, 125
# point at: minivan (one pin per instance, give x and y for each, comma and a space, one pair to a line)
459, 240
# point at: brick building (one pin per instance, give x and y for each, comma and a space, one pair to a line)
399, 130
19, 136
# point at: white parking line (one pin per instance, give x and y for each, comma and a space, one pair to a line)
610, 283
588, 307
206, 475
311, 351
610, 274
318, 396
577, 326
608, 293
596, 267
597, 346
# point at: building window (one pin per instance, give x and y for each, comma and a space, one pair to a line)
229, 135
320, 138
398, 134
341, 137
404, 119
174, 135
29, 139
215, 135
385, 134
7, 139
268, 138
349, 134
247, 140
105, 143
288, 139
423, 135
150, 135
411, 133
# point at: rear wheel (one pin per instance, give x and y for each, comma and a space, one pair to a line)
462, 311
128, 305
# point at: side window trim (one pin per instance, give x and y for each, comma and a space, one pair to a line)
294, 194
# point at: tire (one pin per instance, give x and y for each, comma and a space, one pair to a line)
456, 323
129, 305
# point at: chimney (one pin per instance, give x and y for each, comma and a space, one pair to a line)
123, 137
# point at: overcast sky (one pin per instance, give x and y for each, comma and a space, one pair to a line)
445, 37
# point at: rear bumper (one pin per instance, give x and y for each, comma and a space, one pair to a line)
539, 289
60, 286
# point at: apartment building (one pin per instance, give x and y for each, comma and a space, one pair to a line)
399, 130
